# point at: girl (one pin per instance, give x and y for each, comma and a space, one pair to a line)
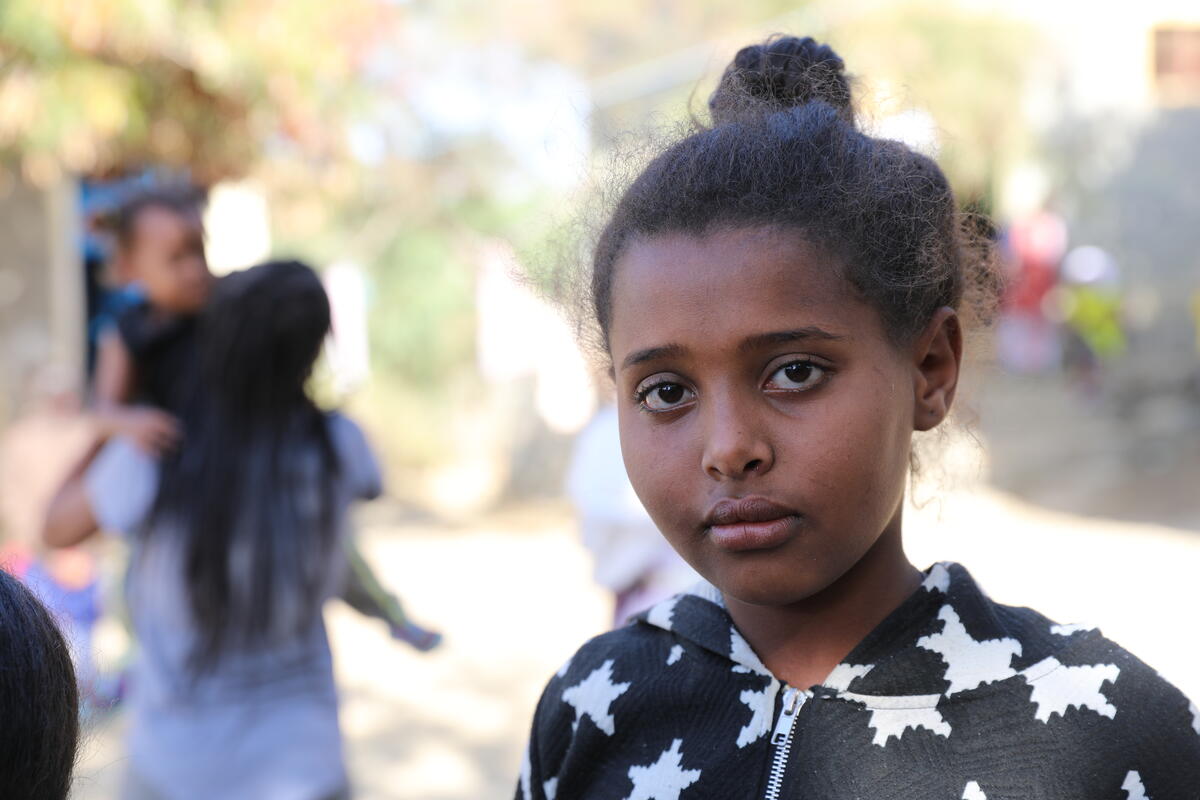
783, 299
237, 543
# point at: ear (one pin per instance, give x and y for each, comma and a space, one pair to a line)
937, 358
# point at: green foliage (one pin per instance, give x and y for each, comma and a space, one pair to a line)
422, 321
100, 85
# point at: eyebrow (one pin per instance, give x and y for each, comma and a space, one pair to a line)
784, 337
755, 342
653, 354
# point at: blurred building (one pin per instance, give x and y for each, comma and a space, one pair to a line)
42, 318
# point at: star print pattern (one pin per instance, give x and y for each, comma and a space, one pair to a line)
973, 792
1060, 687
951, 696
661, 613
744, 658
970, 663
664, 779
594, 696
938, 579
1133, 786
893, 716
761, 706
844, 674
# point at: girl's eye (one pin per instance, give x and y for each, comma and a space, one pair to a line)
664, 396
797, 376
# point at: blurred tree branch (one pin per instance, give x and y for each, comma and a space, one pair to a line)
95, 86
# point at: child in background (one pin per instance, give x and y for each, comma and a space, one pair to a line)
39, 703
237, 540
783, 299
146, 368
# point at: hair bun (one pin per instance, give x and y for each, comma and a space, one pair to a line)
780, 73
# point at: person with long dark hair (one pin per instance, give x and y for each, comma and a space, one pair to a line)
39, 701
237, 543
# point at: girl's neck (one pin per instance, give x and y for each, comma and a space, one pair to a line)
801, 643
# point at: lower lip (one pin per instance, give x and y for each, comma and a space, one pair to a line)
754, 535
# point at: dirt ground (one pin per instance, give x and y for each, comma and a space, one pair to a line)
514, 595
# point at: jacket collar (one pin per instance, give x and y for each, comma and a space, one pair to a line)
946, 638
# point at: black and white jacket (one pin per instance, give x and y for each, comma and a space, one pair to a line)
952, 697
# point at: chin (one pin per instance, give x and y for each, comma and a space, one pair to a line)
767, 585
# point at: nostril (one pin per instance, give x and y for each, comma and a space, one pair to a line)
753, 465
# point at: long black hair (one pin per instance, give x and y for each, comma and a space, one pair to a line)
250, 493
39, 700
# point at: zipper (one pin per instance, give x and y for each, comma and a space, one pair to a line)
781, 740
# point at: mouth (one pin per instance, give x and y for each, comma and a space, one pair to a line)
751, 523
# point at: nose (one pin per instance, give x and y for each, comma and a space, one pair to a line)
736, 446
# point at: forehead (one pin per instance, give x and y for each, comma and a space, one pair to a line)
717, 289
160, 221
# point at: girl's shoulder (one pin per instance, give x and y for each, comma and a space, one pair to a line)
1151, 710
680, 649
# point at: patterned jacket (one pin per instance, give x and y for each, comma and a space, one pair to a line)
952, 697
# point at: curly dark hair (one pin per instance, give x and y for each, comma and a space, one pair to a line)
39, 700
783, 150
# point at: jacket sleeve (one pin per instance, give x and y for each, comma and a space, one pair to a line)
1169, 748
549, 740
1163, 738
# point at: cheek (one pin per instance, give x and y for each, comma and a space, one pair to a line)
857, 451
660, 462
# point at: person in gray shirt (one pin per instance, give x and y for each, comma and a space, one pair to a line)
237, 541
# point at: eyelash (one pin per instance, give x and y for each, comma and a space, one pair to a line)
641, 394
644, 392
804, 362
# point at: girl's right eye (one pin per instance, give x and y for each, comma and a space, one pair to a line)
664, 396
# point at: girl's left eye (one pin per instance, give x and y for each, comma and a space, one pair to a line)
797, 376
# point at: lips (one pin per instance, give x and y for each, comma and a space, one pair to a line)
751, 523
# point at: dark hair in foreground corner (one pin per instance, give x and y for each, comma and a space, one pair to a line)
783, 151
250, 493
39, 700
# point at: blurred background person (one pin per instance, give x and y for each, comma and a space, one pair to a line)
632, 559
146, 361
1027, 337
1091, 308
236, 547
35, 453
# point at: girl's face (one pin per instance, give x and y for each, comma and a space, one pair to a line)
166, 256
765, 416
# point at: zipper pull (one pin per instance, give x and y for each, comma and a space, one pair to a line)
792, 700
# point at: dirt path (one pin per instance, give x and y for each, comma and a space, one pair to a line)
515, 597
